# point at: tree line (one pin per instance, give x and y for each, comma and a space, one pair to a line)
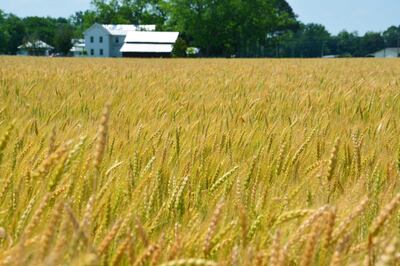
224, 28
313, 40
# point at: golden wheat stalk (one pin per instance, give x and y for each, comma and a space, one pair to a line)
212, 228
102, 134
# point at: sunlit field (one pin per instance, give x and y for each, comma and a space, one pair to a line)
199, 162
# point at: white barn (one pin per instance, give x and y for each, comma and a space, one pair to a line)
36, 48
387, 53
106, 40
149, 44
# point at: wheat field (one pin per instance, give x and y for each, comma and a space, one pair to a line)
199, 162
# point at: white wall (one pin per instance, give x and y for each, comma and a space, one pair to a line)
22, 52
116, 46
392, 52
96, 32
26, 52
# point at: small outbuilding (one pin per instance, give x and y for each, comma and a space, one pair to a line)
36, 48
78, 48
392, 52
149, 44
330, 56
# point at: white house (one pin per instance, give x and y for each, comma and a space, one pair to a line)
78, 48
387, 53
106, 40
149, 44
36, 48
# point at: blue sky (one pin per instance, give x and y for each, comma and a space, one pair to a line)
353, 15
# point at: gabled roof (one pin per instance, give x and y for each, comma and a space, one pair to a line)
37, 44
123, 29
120, 29
151, 37
95, 25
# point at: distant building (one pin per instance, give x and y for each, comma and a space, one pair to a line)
387, 53
36, 48
330, 56
107, 40
78, 48
149, 44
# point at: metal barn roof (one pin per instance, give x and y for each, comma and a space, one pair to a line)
37, 44
151, 37
123, 29
146, 48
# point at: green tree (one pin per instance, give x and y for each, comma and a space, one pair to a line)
371, 42
128, 12
12, 33
62, 38
228, 27
4, 37
392, 36
313, 41
348, 43
80, 21
179, 48
41, 28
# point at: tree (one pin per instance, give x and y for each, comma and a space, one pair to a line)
128, 12
40, 28
12, 32
348, 43
179, 48
313, 40
392, 36
225, 27
4, 37
371, 42
81, 21
62, 38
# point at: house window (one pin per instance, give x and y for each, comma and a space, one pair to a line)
116, 40
101, 39
91, 51
91, 39
101, 51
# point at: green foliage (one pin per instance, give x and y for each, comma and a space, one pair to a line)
313, 40
62, 38
179, 48
372, 42
128, 12
226, 27
192, 51
392, 36
40, 28
12, 32
347, 43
